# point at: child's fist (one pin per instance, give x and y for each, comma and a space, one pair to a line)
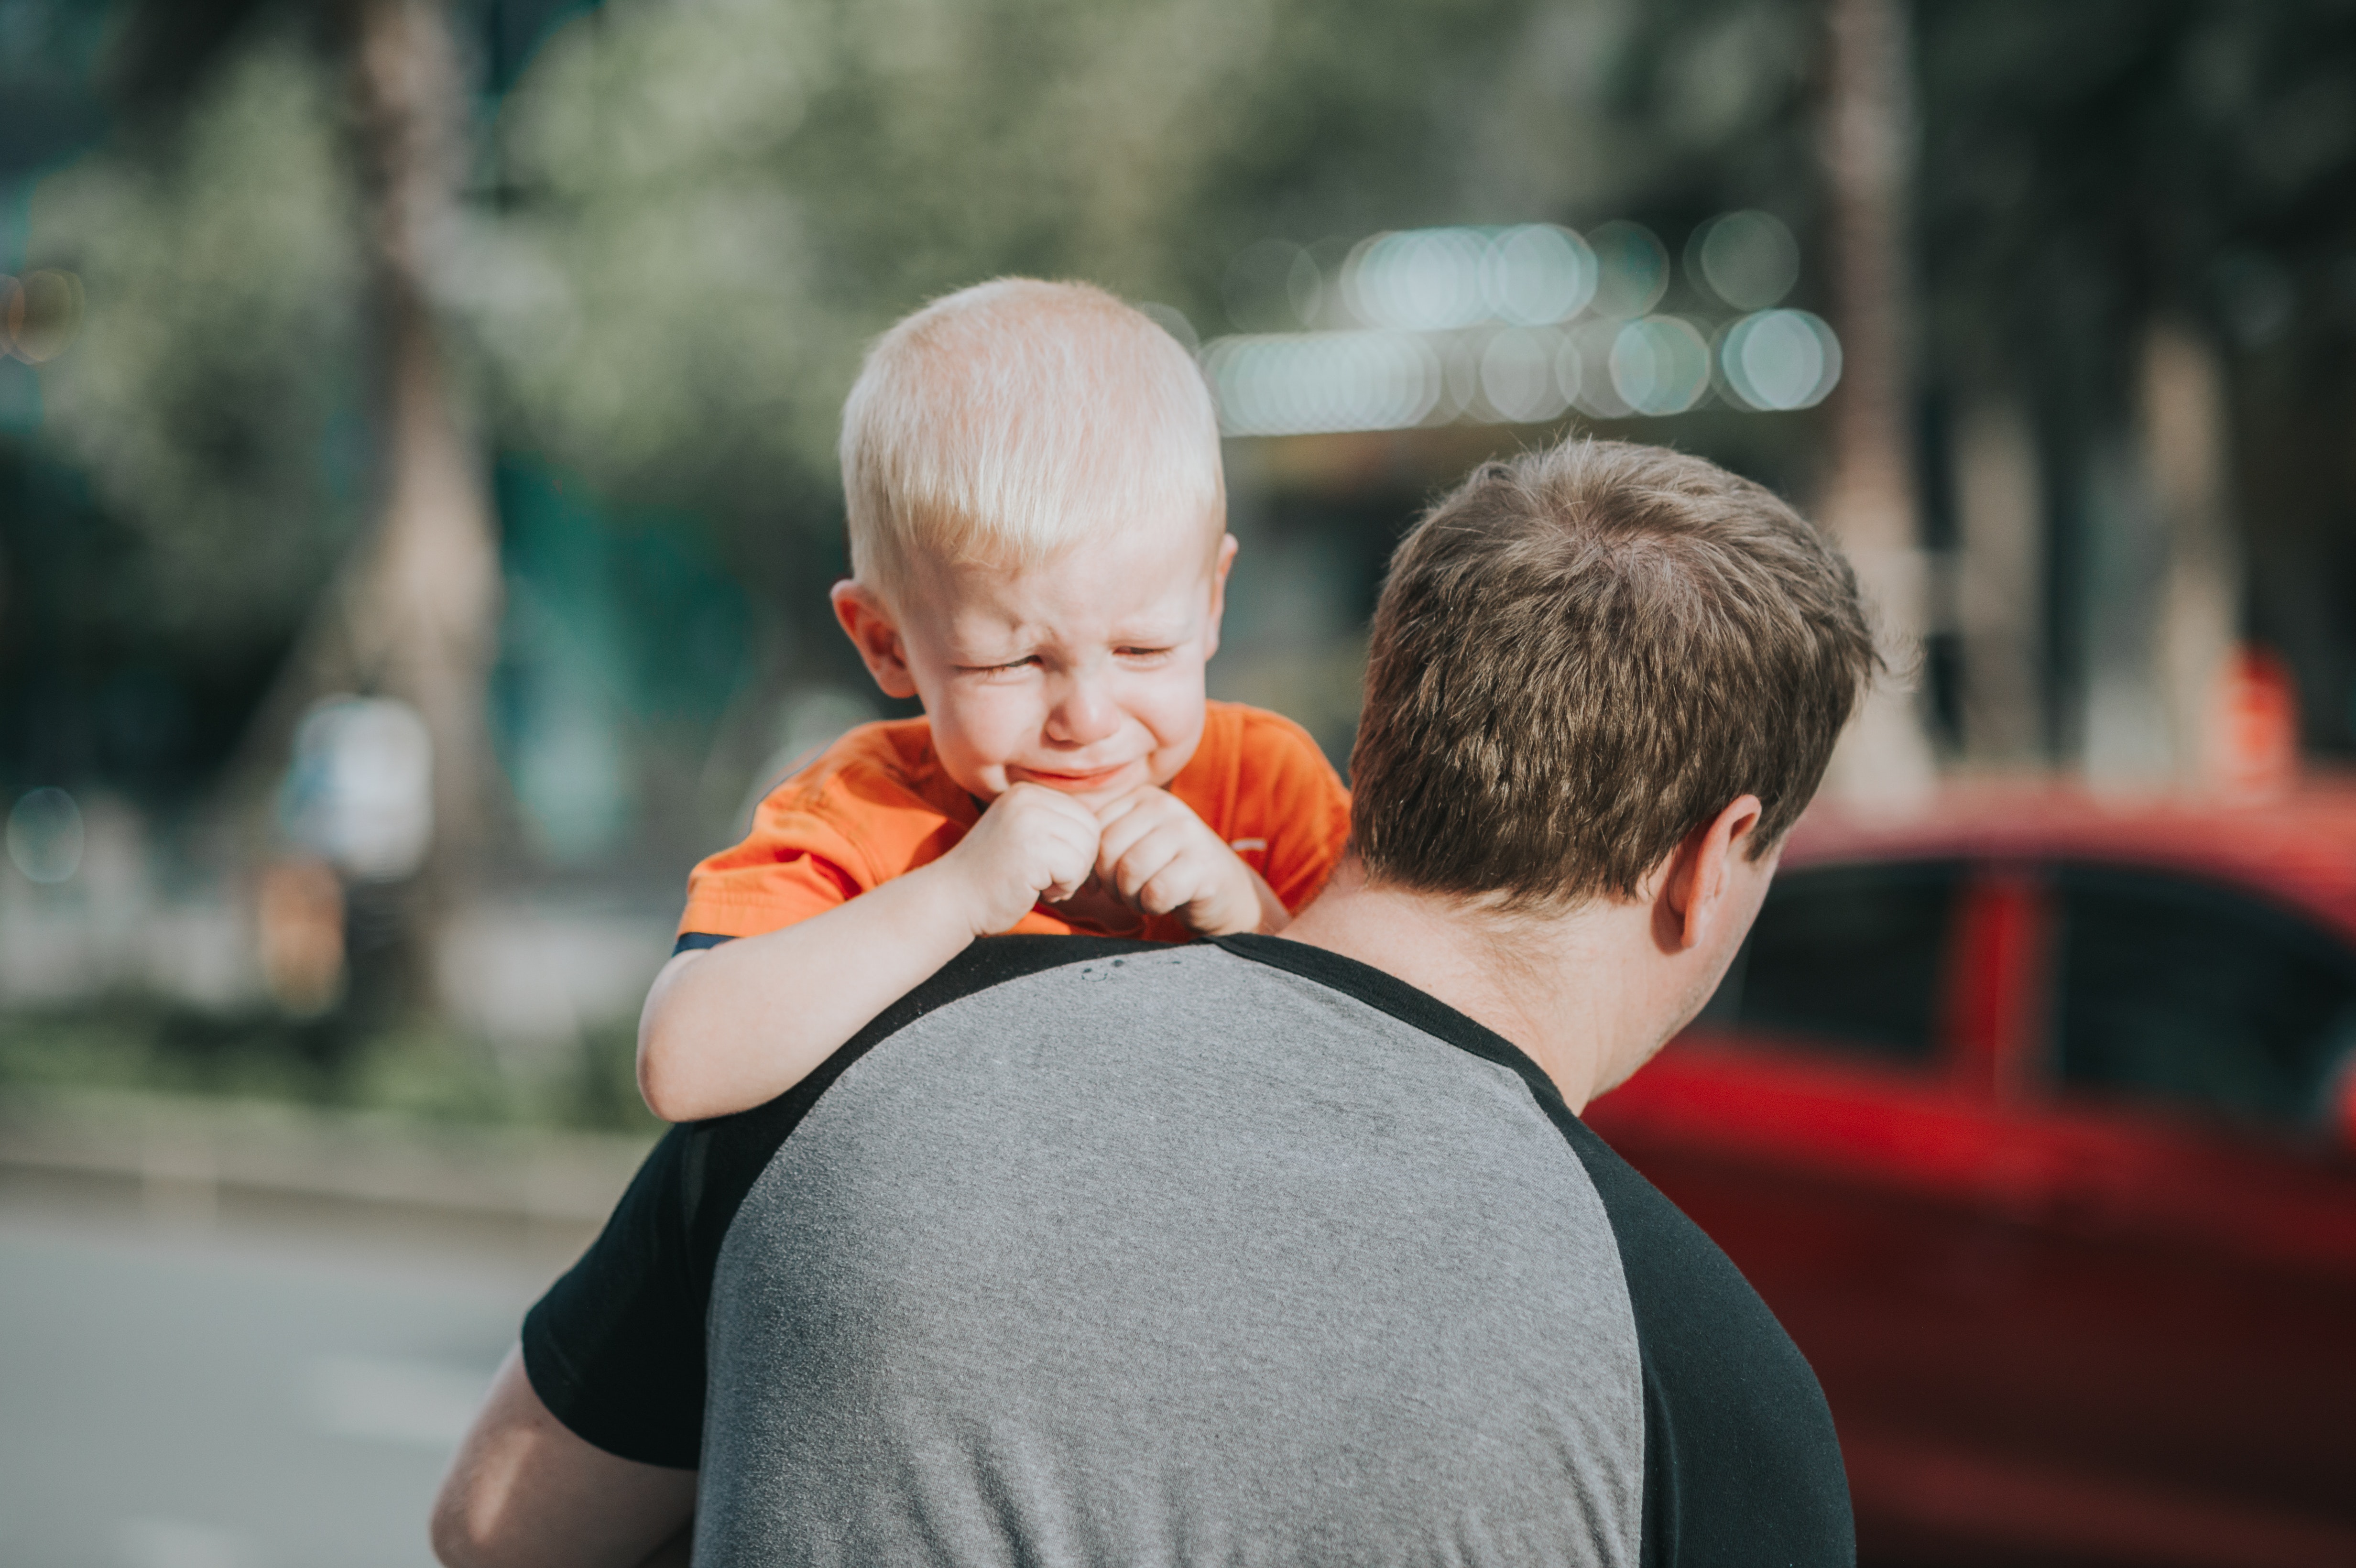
1162, 859
1031, 843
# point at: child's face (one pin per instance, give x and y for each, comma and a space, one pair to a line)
1083, 674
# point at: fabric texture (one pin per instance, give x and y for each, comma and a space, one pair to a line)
1093, 1252
876, 805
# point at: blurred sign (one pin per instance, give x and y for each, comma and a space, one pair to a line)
359, 791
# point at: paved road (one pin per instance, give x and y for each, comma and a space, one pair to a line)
179, 1397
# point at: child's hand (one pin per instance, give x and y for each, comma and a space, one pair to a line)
1031, 843
1162, 859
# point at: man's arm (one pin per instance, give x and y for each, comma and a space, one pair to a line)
524, 1492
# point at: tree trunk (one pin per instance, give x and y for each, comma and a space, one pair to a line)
421, 608
1868, 498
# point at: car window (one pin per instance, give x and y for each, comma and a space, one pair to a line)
1848, 956
2192, 994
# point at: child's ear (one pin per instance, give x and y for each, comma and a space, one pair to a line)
1227, 557
867, 621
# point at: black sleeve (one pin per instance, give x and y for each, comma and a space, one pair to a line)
614, 1349
1741, 1463
696, 941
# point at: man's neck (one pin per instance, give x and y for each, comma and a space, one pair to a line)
1543, 982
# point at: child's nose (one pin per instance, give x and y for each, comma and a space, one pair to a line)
1082, 714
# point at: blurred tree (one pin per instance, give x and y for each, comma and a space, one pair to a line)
2111, 190
1869, 491
685, 217
211, 396
305, 228
418, 616
708, 209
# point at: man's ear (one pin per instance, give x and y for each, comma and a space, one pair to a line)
868, 622
1692, 897
1227, 557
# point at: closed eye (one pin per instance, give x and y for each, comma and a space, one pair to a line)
1023, 663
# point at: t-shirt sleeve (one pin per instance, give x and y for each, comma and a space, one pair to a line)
793, 865
1291, 797
1742, 1465
615, 1347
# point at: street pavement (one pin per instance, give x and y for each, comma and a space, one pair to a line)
186, 1395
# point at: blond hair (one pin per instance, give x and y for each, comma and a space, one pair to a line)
1009, 420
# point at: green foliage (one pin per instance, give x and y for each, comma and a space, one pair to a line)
693, 215
420, 1072
202, 398
706, 209
2088, 167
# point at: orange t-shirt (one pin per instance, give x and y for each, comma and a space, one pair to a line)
876, 803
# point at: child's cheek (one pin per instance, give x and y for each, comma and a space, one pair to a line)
999, 724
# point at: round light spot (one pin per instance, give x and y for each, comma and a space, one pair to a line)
1418, 280
1633, 270
1660, 365
45, 836
1779, 359
1748, 259
1517, 376
1584, 369
1303, 383
1538, 272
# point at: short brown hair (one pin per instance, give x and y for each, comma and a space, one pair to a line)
1584, 654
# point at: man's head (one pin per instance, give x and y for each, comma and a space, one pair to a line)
1605, 681
1038, 535
1583, 655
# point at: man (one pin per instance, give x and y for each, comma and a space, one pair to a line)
1273, 1248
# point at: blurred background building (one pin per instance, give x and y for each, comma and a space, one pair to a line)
417, 500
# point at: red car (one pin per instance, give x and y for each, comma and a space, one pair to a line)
2034, 1119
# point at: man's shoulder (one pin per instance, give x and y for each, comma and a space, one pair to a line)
1748, 1466
739, 1146
1743, 1462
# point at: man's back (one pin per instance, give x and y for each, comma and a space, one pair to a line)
1097, 1253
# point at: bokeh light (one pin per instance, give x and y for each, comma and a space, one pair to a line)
1302, 383
1538, 272
1431, 280
1518, 376
1419, 280
1660, 365
1633, 270
46, 836
1748, 259
1584, 369
1779, 359
39, 314
1513, 325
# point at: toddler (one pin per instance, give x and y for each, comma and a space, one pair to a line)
1039, 554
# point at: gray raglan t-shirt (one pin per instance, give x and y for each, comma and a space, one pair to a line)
1099, 1252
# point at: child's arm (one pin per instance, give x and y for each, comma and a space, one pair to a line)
1163, 859
733, 1027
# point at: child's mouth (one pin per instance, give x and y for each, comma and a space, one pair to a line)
1071, 783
